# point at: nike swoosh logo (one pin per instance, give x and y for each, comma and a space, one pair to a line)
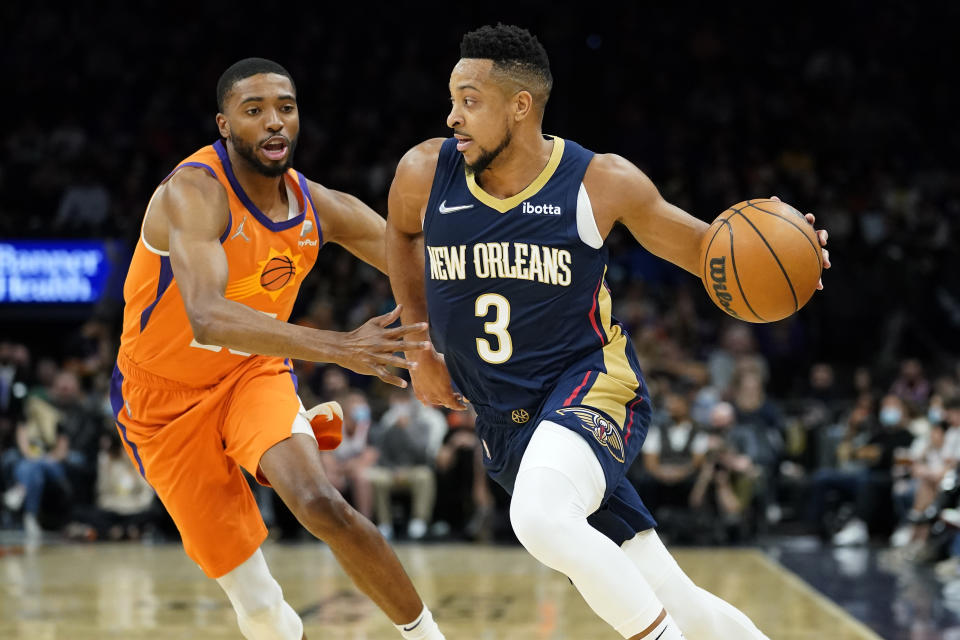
417, 623
445, 209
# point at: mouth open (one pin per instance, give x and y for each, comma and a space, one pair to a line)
275, 148
463, 141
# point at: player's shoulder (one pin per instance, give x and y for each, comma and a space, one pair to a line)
612, 173
420, 161
192, 183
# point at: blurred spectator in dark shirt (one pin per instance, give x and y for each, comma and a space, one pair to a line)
912, 385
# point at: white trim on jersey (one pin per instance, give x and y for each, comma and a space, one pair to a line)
293, 203
143, 238
586, 223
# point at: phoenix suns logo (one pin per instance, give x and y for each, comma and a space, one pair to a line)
271, 276
604, 431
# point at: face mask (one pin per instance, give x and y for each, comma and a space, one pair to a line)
935, 414
890, 416
361, 413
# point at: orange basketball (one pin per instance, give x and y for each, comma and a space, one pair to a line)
277, 273
760, 260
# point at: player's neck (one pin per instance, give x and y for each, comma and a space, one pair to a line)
267, 193
517, 166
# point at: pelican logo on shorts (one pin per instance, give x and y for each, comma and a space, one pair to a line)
519, 416
604, 431
718, 273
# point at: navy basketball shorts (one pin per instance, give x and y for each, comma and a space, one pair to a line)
504, 439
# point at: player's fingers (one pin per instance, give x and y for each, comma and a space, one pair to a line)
820, 285
823, 235
394, 361
777, 198
826, 258
405, 329
389, 318
389, 378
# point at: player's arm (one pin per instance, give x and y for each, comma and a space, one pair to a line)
407, 203
196, 212
620, 192
347, 221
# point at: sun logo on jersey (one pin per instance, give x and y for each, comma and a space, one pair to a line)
271, 276
604, 431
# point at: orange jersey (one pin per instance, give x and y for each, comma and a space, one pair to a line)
267, 261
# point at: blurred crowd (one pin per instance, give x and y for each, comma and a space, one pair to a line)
841, 421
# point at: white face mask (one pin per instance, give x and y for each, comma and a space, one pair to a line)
890, 416
935, 414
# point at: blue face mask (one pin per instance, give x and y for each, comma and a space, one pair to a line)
935, 415
890, 416
360, 413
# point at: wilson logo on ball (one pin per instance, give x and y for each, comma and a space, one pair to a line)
718, 274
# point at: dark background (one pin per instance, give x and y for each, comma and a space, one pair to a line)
845, 110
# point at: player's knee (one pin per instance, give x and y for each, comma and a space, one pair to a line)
539, 528
257, 598
324, 511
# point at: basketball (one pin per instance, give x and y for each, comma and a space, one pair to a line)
277, 273
760, 260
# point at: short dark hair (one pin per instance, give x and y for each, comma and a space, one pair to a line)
515, 52
244, 69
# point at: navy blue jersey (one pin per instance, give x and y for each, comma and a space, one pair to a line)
517, 299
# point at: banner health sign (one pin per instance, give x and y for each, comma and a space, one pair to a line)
53, 271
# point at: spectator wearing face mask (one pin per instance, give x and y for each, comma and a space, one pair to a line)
872, 484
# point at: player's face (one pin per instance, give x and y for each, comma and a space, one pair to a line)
479, 114
262, 122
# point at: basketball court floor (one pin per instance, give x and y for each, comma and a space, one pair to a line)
139, 592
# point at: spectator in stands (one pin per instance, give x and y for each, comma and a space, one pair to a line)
347, 466
912, 385
672, 455
463, 498
40, 460
408, 440
727, 477
125, 502
869, 450
757, 412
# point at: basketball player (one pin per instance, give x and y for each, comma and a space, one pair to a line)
496, 236
202, 386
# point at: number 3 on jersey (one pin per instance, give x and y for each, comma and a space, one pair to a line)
497, 328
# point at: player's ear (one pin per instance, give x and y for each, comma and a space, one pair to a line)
222, 126
522, 105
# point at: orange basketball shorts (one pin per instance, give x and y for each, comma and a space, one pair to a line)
191, 442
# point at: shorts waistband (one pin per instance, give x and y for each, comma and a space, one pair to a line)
498, 418
135, 373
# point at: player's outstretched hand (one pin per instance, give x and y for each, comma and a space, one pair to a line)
372, 347
431, 382
822, 236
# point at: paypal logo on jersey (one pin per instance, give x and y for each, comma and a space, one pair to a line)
541, 209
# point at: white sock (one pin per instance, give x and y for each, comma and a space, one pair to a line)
666, 630
422, 628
